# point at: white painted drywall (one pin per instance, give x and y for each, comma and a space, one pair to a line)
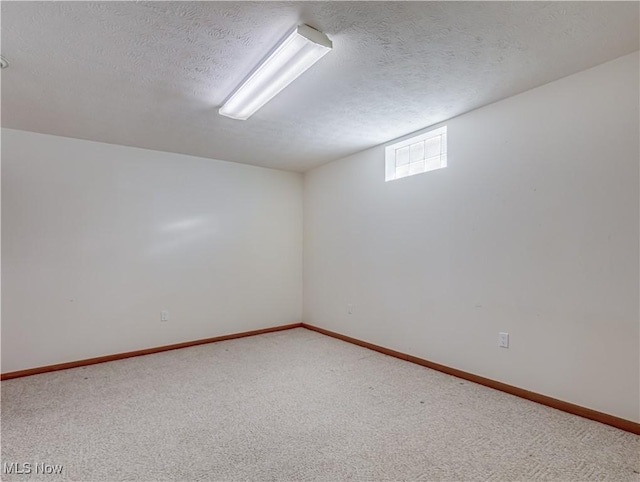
98, 238
532, 229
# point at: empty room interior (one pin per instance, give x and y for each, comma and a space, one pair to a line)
320, 241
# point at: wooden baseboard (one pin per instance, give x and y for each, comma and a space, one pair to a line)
147, 351
601, 417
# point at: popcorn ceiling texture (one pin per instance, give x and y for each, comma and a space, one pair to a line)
152, 74
294, 406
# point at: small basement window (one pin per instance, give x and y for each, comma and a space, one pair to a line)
422, 153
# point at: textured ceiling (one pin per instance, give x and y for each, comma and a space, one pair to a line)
153, 74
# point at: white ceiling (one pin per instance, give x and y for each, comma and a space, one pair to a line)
153, 74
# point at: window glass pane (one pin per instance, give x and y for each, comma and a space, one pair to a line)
433, 163
402, 156
416, 167
415, 155
417, 151
433, 146
402, 171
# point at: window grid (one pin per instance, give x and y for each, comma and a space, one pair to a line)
420, 154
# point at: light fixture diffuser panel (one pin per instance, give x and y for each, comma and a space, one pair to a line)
290, 59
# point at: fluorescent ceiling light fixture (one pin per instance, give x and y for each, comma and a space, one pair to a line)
290, 59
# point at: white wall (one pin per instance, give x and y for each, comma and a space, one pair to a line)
531, 229
98, 238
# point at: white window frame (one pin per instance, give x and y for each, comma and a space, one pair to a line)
428, 164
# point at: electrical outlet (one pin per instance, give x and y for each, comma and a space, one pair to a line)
164, 315
503, 340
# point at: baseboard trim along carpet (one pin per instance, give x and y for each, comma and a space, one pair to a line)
147, 351
601, 417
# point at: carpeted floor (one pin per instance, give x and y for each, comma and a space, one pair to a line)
293, 406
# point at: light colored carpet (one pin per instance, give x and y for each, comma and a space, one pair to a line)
294, 406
